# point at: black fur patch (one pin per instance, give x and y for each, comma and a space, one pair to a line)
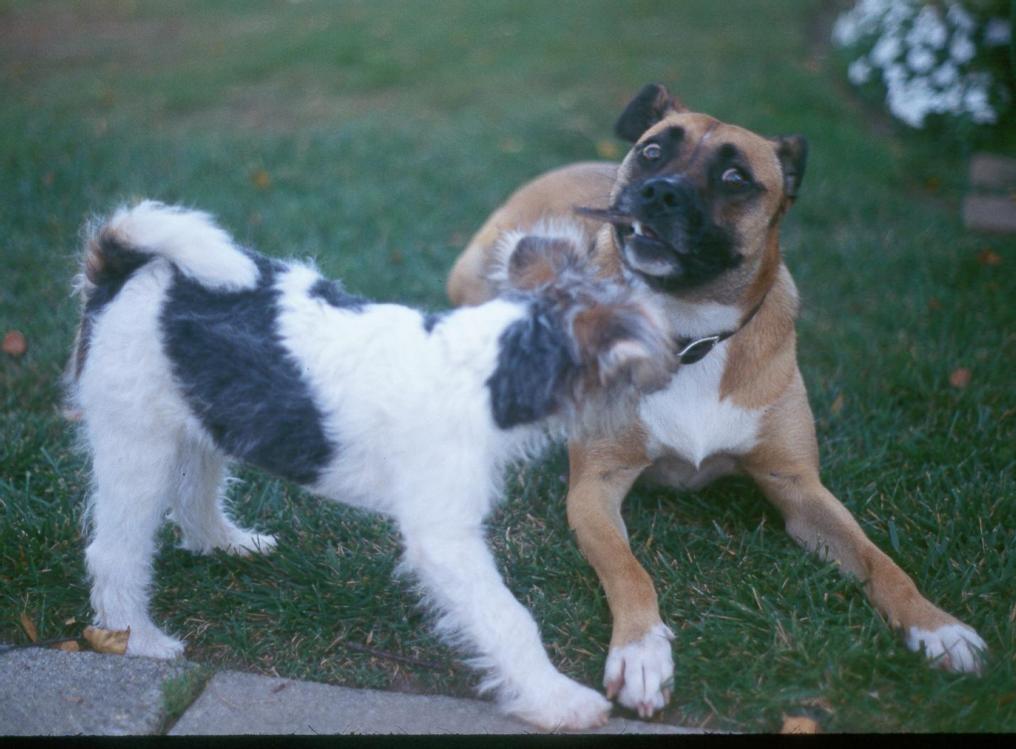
534, 364
648, 107
333, 293
431, 319
239, 379
119, 263
678, 213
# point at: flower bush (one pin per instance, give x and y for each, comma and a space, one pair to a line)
946, 60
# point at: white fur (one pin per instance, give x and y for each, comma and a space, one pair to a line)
409, 411
690, 420
191, 240
955, 647
642, 672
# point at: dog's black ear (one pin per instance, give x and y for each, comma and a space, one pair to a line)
649, 106
792, 151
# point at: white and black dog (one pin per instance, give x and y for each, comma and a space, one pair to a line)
193, 351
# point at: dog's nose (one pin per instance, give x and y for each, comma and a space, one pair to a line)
662, 195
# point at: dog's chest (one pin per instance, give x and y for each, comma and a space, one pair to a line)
689, 420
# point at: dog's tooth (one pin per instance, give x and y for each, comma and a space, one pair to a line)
637, 228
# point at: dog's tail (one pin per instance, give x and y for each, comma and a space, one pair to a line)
190, 240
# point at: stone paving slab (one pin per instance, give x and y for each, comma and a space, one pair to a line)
239, 703
992, 172
45, 692
990, 213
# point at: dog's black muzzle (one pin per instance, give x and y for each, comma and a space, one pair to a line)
666, 235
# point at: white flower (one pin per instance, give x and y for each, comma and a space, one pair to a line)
859, 71
920, 59
909, 39
895, 75
887, 50
862, 20
945, 75
952, 99
958, 18
927, 29
906, 105
997, 32
977, 105
962, 49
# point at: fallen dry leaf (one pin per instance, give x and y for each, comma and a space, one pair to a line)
607, 149
989, 257
107, 640
15, 343
960, 377
261, 179
799, 724
29, 626
837, 404
68, 646
934, 304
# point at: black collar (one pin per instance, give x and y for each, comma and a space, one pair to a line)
691, 350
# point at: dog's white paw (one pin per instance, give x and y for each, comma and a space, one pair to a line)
955, 647
152, 642
640, 674
564, 705
244, 543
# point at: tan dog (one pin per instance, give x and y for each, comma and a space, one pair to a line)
693, 212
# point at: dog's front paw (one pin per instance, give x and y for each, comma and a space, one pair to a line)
954, 647
153, 643
565, 705
244, 543
640, 674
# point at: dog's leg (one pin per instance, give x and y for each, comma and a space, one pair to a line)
640, 665
785, 465
457, 572
132, 485
198, 506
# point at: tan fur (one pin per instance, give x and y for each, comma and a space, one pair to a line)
761, 372
554, 194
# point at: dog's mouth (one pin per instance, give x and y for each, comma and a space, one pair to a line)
643, 246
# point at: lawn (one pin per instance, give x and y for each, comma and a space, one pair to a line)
376, 136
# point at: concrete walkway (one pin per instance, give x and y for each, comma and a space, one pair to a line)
49, 692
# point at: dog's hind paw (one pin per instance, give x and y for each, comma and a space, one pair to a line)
640, 674
565, 705
954, 647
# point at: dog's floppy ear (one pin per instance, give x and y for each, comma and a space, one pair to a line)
649, 106
536, 261
526, 262
792, 151
624, 341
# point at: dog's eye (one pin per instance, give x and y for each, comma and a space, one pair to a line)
734, 177
651, 151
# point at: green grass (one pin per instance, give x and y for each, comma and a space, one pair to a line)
387, 132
